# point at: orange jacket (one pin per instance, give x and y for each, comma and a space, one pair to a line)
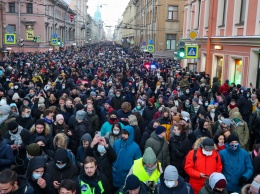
203, 164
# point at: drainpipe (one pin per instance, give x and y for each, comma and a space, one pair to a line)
209, 61
19, 24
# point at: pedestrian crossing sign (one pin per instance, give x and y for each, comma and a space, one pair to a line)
10, 38
150, 48
54, 41
192, 51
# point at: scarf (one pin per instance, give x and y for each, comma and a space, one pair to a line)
150, 170
16, 138
113, 122
92, 182
47, 120
232, 106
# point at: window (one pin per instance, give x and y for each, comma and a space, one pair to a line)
12, 7
170, 41
242, 11
224, 13
10, 29
173, 13
29, 8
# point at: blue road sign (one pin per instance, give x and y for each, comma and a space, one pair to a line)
54, 35
10, 38
150, 48
150, 41
192, 52
143, 43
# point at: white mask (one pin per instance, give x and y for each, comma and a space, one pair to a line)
207, 153
169, 184
115, 132
212, 110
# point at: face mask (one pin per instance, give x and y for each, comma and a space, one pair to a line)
115, 132
207, 153
169, 184
112, 119
36, 176
12, 87
212, 110
63, 87
117, 95
133, 91
101, 149
15, 87
61, 166
187, 91
90, 112
187, 104
178, 89
27, 116
138, 107
234, 146
206, 104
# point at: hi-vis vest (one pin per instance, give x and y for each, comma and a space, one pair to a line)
139, 171
86, 189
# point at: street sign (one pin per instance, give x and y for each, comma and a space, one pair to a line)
192, 51
150, 48
38, 39
150, 41
54, 41
193, 35
143, 43
71, 17
54, 35
10, 38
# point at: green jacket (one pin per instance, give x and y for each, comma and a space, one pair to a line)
207, 189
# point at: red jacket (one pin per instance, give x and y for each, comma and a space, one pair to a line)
224, 87
203, 164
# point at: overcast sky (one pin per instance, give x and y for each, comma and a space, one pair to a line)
110, 12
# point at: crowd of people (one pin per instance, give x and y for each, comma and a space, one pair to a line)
103, 120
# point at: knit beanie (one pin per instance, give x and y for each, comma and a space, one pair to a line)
12, 125
5, 109
41, 138
232, 137
16, 96
195, 99
171, 173
92, 94
226, 121
113, 112
40, 122
59, 117
160, 129
33, 149
132, 182
222, 183
149, 156
61, 156
80, 115
217, 180
255, 185
79, 107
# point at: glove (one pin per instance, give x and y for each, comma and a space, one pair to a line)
242, 180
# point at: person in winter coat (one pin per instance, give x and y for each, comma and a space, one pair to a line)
93, 119
40, 128
215, 85
171, 182
84, 150
219, 140
107, 126
41, 181
134, 123
222, 107
117, 100
165, 121
245, 106
241, 129
133, 185
202, 131
197, 160
254, 125
215, 184
114, 134
104, 155
237, 165
6, 154
147, 169
253, 188
92, 180
149, 112
124, 112
194, 110
61, 168
179, 147
224, 87
159, 145
25, 119
127, 151
10, 182
6, 116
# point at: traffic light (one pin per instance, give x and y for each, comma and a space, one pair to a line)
34, 39
181, 50
59, 42
20, 41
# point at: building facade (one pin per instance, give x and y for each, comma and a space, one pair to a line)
228, 37
158, 20
27, 19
